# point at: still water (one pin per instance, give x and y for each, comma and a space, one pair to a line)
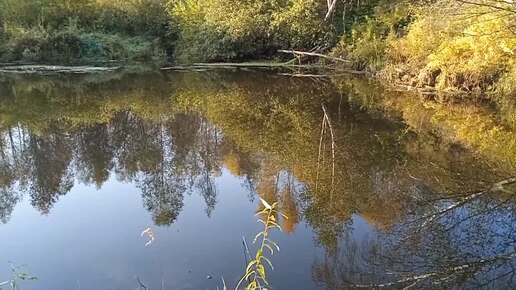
375, 196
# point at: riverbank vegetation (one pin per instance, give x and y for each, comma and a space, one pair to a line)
460, 46
56, 31
452, 46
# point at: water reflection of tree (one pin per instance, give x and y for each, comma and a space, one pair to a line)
94, 158
49, 175
166, 135
166, 159
465, 241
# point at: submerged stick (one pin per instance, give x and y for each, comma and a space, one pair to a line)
141, 284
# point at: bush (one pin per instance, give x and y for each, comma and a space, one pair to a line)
470, 59
70, 46
299, 25
443, 44
68, 30
222, 30
369, 38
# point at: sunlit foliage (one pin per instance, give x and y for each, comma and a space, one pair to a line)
222, 30
448, 45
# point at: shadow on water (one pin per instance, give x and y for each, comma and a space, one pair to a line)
331, 153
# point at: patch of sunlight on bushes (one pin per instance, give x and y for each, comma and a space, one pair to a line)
222, 30
421, 38
298, 25
370, 38
475, 58
458, 48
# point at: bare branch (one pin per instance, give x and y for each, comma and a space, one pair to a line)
301, 53
489, 5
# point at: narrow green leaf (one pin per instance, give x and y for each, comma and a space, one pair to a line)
272, 243
249, 275
261, 271
275, 224
250, 265
257, 236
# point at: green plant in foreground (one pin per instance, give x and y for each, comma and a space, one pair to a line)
17, 275
255, 271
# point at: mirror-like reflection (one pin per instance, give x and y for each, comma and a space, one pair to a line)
389, 201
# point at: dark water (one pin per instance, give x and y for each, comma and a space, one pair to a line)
90, 161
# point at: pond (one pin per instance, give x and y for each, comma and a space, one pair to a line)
377, 188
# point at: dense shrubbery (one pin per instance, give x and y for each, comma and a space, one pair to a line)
63, 30
70, 46
448, 45
233, 29
71, 30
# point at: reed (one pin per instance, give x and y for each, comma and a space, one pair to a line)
256, 273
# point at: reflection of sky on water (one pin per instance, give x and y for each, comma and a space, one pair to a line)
91, 238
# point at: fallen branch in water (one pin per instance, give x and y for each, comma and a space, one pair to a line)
297, 54
307, 75
229, 65
301, 75
55, 69
444, 274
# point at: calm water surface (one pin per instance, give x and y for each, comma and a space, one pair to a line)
90, 161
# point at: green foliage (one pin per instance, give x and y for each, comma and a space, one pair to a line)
131, 17
366, 41
71, 30
223, 30
68, 46
255, 272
